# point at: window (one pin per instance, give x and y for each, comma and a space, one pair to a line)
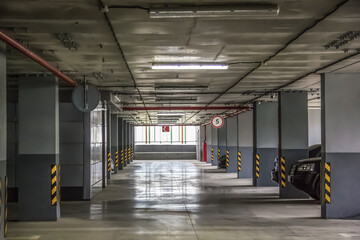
154, 135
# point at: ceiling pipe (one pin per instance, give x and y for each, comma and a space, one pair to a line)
36, 58
182, 108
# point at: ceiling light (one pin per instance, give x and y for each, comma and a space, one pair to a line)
190, 66
170, 114
240, 10
184, 88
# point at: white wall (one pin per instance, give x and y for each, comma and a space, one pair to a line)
314, 126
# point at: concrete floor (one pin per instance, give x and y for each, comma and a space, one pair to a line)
186, 200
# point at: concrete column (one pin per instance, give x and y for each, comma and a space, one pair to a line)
38, 148
3, 140
265, 141
121, 153
231, 143
108, 146
126, 135
215, 145
245, 144
131, 141
105, 143
128, 142
340, 116
123, 142
208, 131
222, 139
114, 142
293, 137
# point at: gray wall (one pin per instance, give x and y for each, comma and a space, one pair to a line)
71, 149
165, 148
215, 146
208, 142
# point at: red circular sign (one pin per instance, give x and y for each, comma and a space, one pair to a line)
217, 122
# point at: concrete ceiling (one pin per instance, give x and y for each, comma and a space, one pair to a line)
266, 54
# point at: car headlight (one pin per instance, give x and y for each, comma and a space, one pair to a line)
308, 167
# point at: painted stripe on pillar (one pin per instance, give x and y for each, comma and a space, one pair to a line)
327, 183
239, 162
227, 158
283, 172
257, 165
109, 162
212, 154
218, 153
53, 185
116, 159
122, 157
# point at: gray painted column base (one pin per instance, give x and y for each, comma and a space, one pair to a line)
208, 154
267, 158
35, 200
215, 161
232, 160
246, 162
291, 156
345, 178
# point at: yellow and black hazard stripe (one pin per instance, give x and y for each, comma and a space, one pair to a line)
132, 153
116, 159
125, 154
257, 165
109, 162
129, 154
227, 158
53, 185
218, 153
122, 157
239, 162
283, 172
212, 154
327, 183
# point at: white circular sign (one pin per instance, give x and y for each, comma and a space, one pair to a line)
217, 122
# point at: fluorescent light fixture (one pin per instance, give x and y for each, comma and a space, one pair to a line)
170, 114
182, 88
240, 10
190, 66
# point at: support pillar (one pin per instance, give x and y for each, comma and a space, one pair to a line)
293, 138
3, 179
222, 139
131, 148
231, 144
128, 131
265, 142
121, 154
215, 145
340, 116
38, 149
208, 143
245, 145
114, 142
122, 137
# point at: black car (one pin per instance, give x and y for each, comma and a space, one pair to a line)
305, 176
222, 162
314, 151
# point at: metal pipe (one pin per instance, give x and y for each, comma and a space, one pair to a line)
182, 108
36, 58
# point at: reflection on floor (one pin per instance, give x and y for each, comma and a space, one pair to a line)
186, 200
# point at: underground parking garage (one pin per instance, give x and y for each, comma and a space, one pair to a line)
179, 120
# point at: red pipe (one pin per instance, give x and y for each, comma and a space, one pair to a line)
36, 58
182, 108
